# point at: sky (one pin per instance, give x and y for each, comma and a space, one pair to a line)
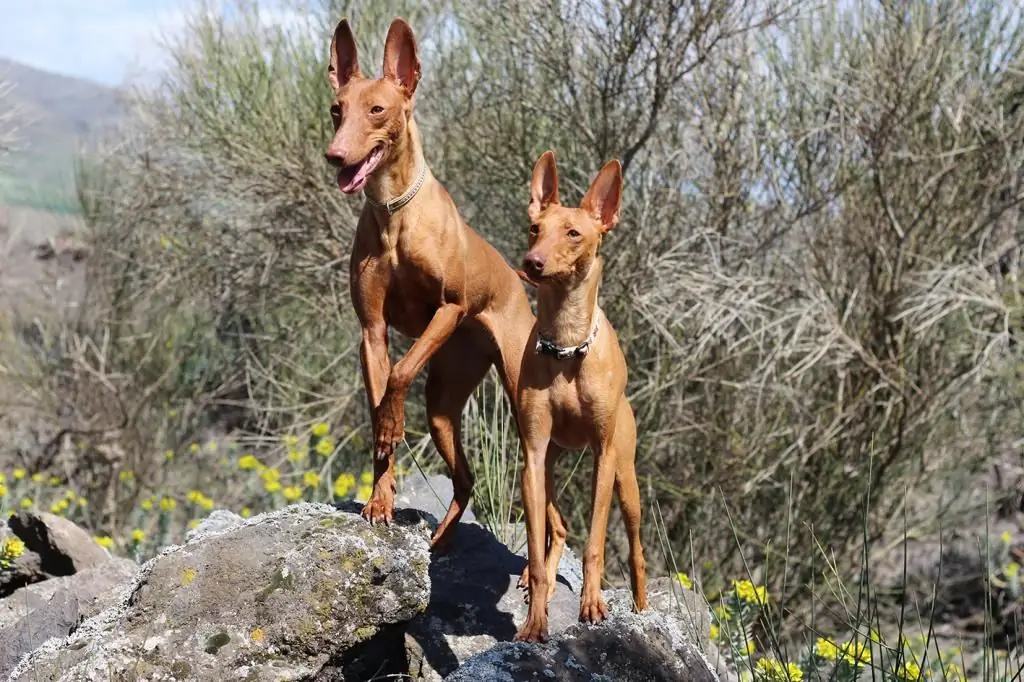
102, 40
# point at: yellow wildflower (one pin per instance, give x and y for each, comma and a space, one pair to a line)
826, 649
104, 541
953, 672
248, 462
3, 477
684, 580
194, 523
3, 490
366, 478
364, 492
749, 592
772, 670
290, 441
343, 484
54, 480
126, 475
26, 503
320, 429
749, 648
721, 613
172, 413
713, 632
325, 446
272, 486
258, 636
37, 478
82, 502
311, 479
200, 500
10, 549
246, 512
59, 507
19, 474
194, 448
168, 504
909, 671
856, 654
292, 493
138, 535
168, 455
211, 446
270, 474
1006, 537
295, 455
147, 504
1012, 570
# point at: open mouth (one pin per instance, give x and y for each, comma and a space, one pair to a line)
352, 179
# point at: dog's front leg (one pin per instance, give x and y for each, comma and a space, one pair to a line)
376, 366
536, 438
390, 428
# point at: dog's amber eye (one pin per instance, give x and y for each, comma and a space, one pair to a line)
574, 234
534, 230
377, 109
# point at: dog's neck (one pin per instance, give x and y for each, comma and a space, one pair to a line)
392, 180
566, 310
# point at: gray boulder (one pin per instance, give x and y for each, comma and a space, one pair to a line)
63, 548
474, 604
55, 607
430, 494
627, 647
299, 593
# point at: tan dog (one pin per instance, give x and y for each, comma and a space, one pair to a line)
416, 266
572, 392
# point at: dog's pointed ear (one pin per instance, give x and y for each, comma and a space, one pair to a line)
401, 63
344, 65
603, 198
544, 185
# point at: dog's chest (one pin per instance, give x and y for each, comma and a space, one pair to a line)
581, 409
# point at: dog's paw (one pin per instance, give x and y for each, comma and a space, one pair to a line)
535, 629
390, 428
593, 609
380, 508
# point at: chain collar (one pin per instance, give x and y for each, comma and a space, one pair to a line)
392, 205
545, 347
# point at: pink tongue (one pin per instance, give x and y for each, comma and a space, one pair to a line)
353, 182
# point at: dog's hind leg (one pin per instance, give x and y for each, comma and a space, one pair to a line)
454, 372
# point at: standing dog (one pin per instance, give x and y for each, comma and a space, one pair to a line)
572, 392
416, 266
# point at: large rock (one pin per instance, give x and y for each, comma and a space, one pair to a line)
430, 494
288, 595
55, 607
474, 604
628, 647
63, 547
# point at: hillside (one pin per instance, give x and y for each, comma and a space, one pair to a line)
55, 113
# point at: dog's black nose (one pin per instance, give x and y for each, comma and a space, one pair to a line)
533, 264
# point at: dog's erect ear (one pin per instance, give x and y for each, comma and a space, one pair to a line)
604, 196
343, 66
401, 64
544, 186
